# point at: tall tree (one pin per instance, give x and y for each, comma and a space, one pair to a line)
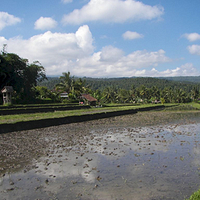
19, 74
110, 94
65, 84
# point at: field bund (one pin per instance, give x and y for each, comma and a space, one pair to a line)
18, 123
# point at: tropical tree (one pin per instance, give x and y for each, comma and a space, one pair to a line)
97, 94
168, 94
180, 96
194, 93
22, 76
66, 82
42, 92
74, 87
124, 96
155, 92
110, 95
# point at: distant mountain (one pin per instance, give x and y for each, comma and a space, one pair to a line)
192, 79
128, 83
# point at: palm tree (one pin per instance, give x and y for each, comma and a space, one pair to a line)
124, 95
66, 83
194, 93
155, 92
180, 96
110, 94
78, 87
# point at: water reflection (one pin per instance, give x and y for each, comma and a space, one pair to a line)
158, 162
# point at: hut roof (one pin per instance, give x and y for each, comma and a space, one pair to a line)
88, 97
7, 89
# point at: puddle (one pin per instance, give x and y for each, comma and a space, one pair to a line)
148, 163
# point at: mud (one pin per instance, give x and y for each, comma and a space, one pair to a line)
144, 156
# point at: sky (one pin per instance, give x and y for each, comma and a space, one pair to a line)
105, 38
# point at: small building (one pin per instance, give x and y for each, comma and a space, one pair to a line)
64, 95
88, 99
7, 94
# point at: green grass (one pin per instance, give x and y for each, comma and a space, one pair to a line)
36, 106
195, 196
59, 114
195, 105
184, 107
109, 108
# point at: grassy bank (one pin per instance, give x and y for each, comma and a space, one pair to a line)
11, 119
60, 114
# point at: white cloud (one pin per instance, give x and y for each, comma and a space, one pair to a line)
56, 51
66, 1
45, 23
74, 52
117, 11
128, 35
194, 49
185, 70
8, 20
192, 36
106, 64
110, 54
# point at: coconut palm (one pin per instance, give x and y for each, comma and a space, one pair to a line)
66, 83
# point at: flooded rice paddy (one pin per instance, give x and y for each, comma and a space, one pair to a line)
139, 157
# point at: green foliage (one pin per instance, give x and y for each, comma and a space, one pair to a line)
74, 87
7, 104
133, 90
195, 196
22, 76
182, 107
162, 100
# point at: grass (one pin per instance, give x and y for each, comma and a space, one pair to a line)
59, 114
195, 196
35, 106
195, 105
109, 108
184, 107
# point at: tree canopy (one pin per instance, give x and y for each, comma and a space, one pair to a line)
20, 74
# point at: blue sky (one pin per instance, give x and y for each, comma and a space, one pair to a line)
105, 38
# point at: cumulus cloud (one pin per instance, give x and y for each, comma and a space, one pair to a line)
8, 20
108, 11
128, 35
194, 49
185, 70
110, 54
111, 62
56, 51
75, 52
45, 23
192, 36
66, 1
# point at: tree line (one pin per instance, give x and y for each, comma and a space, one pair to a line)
30, 84
125, 90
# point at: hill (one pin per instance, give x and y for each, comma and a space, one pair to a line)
192, 79
186, 83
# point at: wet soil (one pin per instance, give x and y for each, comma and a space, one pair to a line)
148, 155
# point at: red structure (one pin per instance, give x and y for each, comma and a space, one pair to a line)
88, 99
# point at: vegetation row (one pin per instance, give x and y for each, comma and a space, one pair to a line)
32, 86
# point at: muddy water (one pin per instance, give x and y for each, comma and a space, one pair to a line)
140, 163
